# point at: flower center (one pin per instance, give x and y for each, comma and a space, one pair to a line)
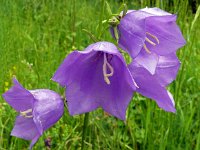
150, 42
27, 113
107, 66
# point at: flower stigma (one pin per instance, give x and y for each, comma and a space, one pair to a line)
106, 66
26, 114
150, 42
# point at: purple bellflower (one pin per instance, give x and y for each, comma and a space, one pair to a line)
96, 77
154, 86
147, 34
38, 110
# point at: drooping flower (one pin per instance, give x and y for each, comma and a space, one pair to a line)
147, 34
96, 77
154, 86
38, 110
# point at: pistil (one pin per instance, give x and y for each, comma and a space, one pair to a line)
106, 65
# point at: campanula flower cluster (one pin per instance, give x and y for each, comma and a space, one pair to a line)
100, 77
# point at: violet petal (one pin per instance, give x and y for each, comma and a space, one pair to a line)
168, 33
151, 88
148, 61
48, 108
167, 69
25, 128
18, 97
132, 33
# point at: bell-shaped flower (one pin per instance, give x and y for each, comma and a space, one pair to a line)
38, 110
154, 86
147, 34
96, 77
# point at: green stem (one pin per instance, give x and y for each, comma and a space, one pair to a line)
86, 120
101, 18
91, 35
116, 34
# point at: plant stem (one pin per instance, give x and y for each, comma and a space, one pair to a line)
86, 120
101, 18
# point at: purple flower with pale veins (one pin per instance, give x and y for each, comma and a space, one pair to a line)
149, 33
38, 110
96, 77
153, 86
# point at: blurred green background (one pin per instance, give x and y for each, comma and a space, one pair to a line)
35, 37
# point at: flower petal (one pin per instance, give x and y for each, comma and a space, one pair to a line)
167, 69
71, 65
79, 92
48, 108
102, 46
18, 97
147, 60
34, 140
155, 11
150, 87
168, 33
25, 128
132, 32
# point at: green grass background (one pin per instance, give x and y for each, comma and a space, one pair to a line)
35, 37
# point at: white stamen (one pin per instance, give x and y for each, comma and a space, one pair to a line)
24, 113
146, 49
151, 42
105, 74
30, 116
153, 36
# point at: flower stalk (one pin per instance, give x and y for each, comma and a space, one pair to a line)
85, 124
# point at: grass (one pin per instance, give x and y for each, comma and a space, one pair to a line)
36, 35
